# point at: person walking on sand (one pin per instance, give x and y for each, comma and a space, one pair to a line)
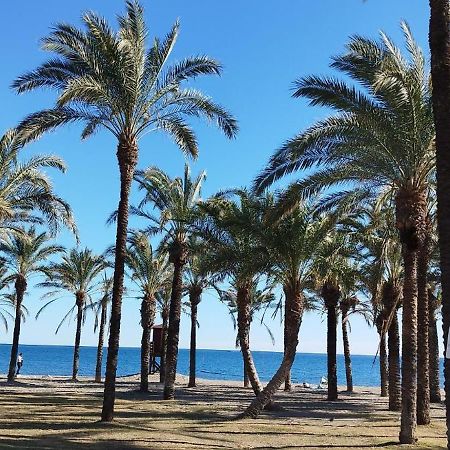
19, 363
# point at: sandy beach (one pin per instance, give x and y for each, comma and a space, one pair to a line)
55, 413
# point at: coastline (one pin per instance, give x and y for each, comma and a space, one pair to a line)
54, 412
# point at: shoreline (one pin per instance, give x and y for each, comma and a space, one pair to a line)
181, 381
54, 413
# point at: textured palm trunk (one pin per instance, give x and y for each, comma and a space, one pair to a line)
178, 258
20, 287
390, 297
395, 393
287, 381
423, 374
76, 349
243, 322
127, 154
246, 380
384, 369
147, 321
433, 351
293, 317
411, 207
440, 72
162, 366
101, 337
194, 299
331, 293
409, 350
347, 357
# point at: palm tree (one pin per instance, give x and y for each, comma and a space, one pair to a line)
232, 229
197, 278
381, 137
292, 244
439, 39
101, 309
150, 272
25, 253
350, 305
26, 193
77, 273
110, 79
163, 304
335, 278
259, 300
176, 201
383, 272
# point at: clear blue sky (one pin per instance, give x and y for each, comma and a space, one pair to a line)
264, 46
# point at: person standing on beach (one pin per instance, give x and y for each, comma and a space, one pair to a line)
19, 363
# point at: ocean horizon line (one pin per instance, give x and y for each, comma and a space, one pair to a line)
187, 348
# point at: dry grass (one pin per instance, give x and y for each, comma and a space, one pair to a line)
58, 414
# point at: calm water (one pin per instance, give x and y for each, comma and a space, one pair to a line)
211, 364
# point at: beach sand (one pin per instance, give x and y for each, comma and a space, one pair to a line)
55, 413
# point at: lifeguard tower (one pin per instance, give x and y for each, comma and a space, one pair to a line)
156, 348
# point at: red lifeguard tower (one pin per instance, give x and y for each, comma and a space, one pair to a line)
156, 348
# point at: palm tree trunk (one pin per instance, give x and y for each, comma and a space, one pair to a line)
395, 400
389, 324
384, 376
178, 258
162, 366
331, 353
127, 154
347, 357
433, 344
101, 337
246, 380
293, 317
194, 299
243, 320
423, 374
409, 349
440, 71
331, 293
288, 380
20, 287
145, 343
76, 348
411, 220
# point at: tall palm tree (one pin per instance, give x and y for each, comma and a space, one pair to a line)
259, 301
231, 228
439, 39
150, 273
163, 305
101, 316
77, 274
292, 244
197, 278
335, 278
381, 137
110, 79
176, 200
350, 305
25, 253
383, 272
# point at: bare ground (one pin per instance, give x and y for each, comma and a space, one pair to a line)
53, 413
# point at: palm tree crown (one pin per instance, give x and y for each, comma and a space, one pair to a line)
110, 79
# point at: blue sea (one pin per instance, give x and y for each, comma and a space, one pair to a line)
211, 364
